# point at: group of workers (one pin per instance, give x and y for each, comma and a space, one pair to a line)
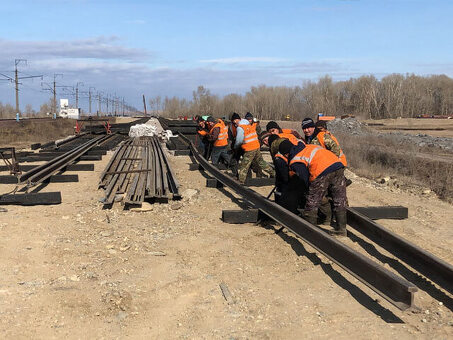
308, 170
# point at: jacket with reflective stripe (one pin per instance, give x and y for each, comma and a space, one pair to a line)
320, 137
317, 160
289, 136
251, 141
222, 138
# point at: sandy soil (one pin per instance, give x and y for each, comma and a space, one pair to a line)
76, 271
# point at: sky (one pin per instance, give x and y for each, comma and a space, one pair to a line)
168, 48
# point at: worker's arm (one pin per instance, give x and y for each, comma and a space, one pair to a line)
301, 171
214, 134
331, 145
281, 170
239, 137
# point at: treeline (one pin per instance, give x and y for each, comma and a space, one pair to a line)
8, 111
395, 95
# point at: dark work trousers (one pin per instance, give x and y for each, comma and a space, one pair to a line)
291, 195
333, 182
220, 153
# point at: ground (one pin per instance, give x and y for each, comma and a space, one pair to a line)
77, 271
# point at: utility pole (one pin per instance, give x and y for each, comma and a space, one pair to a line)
99, 103
144, 104
89, 97
54, 103
16, 80
77, 94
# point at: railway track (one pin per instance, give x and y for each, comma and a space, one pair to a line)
397, 290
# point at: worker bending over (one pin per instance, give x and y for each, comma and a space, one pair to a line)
289, 190
320, 170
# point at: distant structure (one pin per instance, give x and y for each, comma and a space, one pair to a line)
68, 112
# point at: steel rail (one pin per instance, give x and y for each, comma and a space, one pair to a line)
42, 172
393, 288
435, 269
172, 181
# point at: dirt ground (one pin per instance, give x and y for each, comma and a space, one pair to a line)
76, 271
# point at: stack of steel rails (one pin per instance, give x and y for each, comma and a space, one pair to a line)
139, 171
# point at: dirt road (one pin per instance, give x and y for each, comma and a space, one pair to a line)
76, 271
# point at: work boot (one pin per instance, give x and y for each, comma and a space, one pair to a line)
311, 216
340, 227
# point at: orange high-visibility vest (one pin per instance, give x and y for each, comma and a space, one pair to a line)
289, 131
222, 139
289, 136
279, 155
316, 158
251, 141
321, 135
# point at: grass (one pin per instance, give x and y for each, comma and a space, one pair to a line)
380, 157
27, 132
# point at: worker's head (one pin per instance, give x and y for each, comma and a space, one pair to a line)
272, 138
263, 137
308, 126
273, 128
235, 118
249, 117
285, 147
321, 125
201, 122
210, 122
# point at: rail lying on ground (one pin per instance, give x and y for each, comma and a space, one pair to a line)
392, 287
424, 262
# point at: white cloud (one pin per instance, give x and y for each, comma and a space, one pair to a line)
95, 48
237, 60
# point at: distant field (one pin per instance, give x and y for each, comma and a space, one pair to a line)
433, 127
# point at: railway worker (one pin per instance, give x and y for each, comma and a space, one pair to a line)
308, 128
247, 139
253, 121
218, 136
273, 128
289, 190
328, 141
320, 170
202, 134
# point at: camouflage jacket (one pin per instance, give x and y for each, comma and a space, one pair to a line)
330, 144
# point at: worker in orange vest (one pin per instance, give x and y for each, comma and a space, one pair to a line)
328, 141
201, 138
218, 136
273, 128
247, 139
320, 170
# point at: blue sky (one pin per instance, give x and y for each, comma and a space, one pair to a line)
168, 48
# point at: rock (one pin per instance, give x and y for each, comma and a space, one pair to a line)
190, 194
121, 315
3, 210
74, 278
145, 207
176, 206
124, 248
156, 253
118, 197
384, 180
426, 192
106, 233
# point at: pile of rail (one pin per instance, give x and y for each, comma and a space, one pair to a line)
138, 171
